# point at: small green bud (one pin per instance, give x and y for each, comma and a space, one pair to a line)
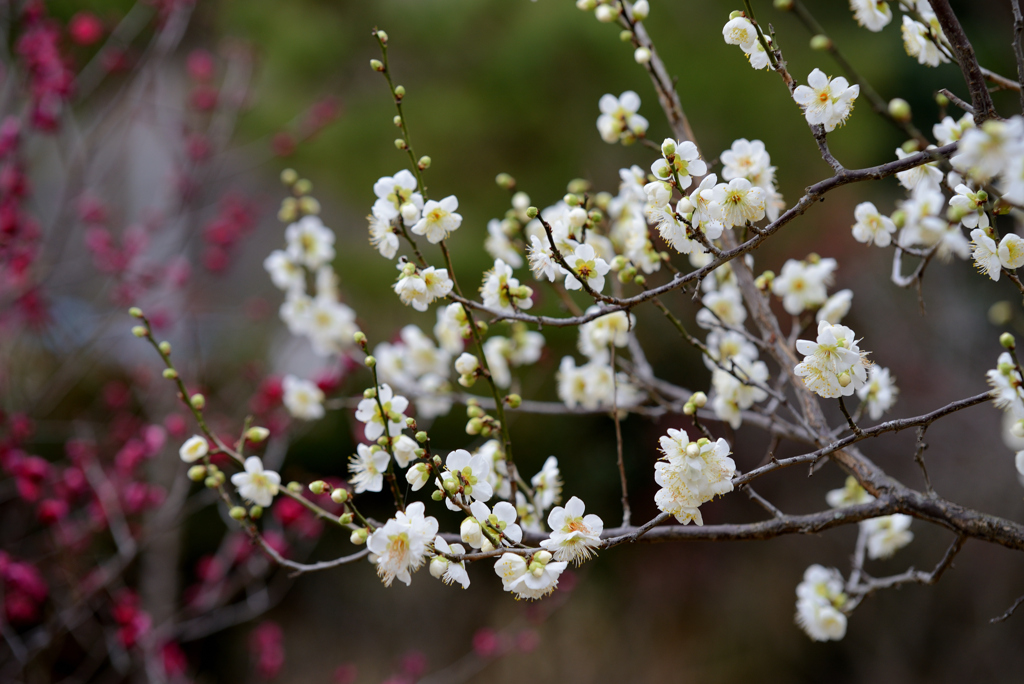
423, 163
821, 42
668, 147
910, 147
400, 143
165, 348
170, 373
474, 412
135, 312
899, 109
595, 215
899, 218
481, 327
397, 120
1007, 340
602, 199
197, 473
198, 401
139, 331
370, 361
514, 400
505, 181
257, 434
627, 274
289, 176
303, 186
256, 512
736, 14
317, 486
289, 210
369, 393
941, 100
345, 519
339, 495
309, 205
689, 409
382, 37
1000, 313
376, 65
626, 36
294, 487
399, 92
422, 437
437, 495
382, 441
531, 212
639, 280
237, 513
699, 399
358, 537
784, 5
703, 441
360, 338
571, 199
474, 426
211, 482
845, 379
420, 453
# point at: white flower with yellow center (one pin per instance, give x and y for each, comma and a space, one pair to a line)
310, 242
501, 291
547, 484
690, 474
400, 546
369, 412
397, 196
1011, 251
303, 399
986, 254
284, 273
873, 15
707, 208
466, 478
451, 322
739, 31
887, 534
741, 202
529, 579
383, 236
804, 284
586, 267
1006, 383
872, 226
722, 308
820, 599
919, 45
574, 535
879, 394
826, 102
256, 484
987, 151
833, 365
680, 160
439, 219
598, 335
850, 494
330, 326
449, 571
925, 173
194, 448
619, 119
948, 130
367, 467
499, 523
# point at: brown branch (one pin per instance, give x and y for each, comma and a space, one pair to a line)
964, 52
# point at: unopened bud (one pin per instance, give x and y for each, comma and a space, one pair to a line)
1007, 340
736, 14
641, 9
358, 537
514, 400
399, 92
639, 280
505, 181
699, 399
423, 163
421, 437
668, 147
165, 348
845, 379
376, 65
531, 212
910, 146
400, 143
317, 486
294, 487
197, 473
237, 513
941, 100
211, 482
382, 37
257, 434
139, 331
474, 426
784, 5
256, 512
303, 186
198, 401
170, 373
360, 338
289, 210
1017, 429
309, 205
606, 13
821, 42
345, 519
370, 361
339, 495
135, 312
642, 55
289, 176
899, 109
689, 409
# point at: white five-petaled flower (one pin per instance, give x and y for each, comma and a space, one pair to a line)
533, 579
925, 173
547, 484
850, 494
820, 599
991, 258
449, 571
873, 15
310, 242
470, 474
256, 484
419, 288
619, 119
542, 261
1006, 383
284, 273
397, 196
382, 235
369, 412
803, 284
690, 474
499, 523
887, 534
919, 45
303, 399
400, 546
367, 467
835, 307
739, 31
833, 365
879, 393
439, 219
871, 226
683, 162
969, 207
586, 266
989, 150
826, 102
194, 448
500, 290
573, 534
741, 202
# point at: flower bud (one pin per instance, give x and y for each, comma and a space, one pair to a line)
542, 557
627, 274
845, 379
309, 206
345, 519
289, 210
626, 36
470, 532
1000, 313
1017, 429
514, 400
910, 146
438, 566
505, 181
699, 399
197, 473
369, 393
423, 163
642, 55
474, 427
256, 512
821, 42
139, 331
377, 65
289, 176
294, 487
211, 482
689, 409
165, 348
586, 5
399, 92
421, 437
135, 312
668, 147
692, 450
339, 495
941, 100
1007, 340
303, 186
641, 10
317, 486
170, 373
198, 401
370, 361
400, 143
436, 495
531, 212
257, 434
606, 13
784, 5
899, 109
382, 37
237, 513
899, 218
481, 327
467, 364
639, 280
358, 537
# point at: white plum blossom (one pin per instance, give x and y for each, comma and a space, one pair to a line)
708, 212
499, 246
451, 322
986, 254
948, 130
833, 365
987, 151
417, 476
573, 534
594, 385
723, 345
1011, 251
542, 261
586, 267
722, 307
850, 494
879, 393
919, 45
369, 412
382, 235
681, 160
738, 385
925, 173
835, 307
310, 242
303, 399
439, 219
294, 311
820, 599
449, 571
329, 325
547, 484
419, 288
871, 226
969, 206
404, 448
284, 273
1006, 385
533, 579
598, 335
804, 285
826, 102
194, 448
922, 225
887, 534
367, 467
690, 474
468, 473
741, 203
501, 291
256, 484
619, 119
739, 31
499, 522
401, 545
397, 196
873, 15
